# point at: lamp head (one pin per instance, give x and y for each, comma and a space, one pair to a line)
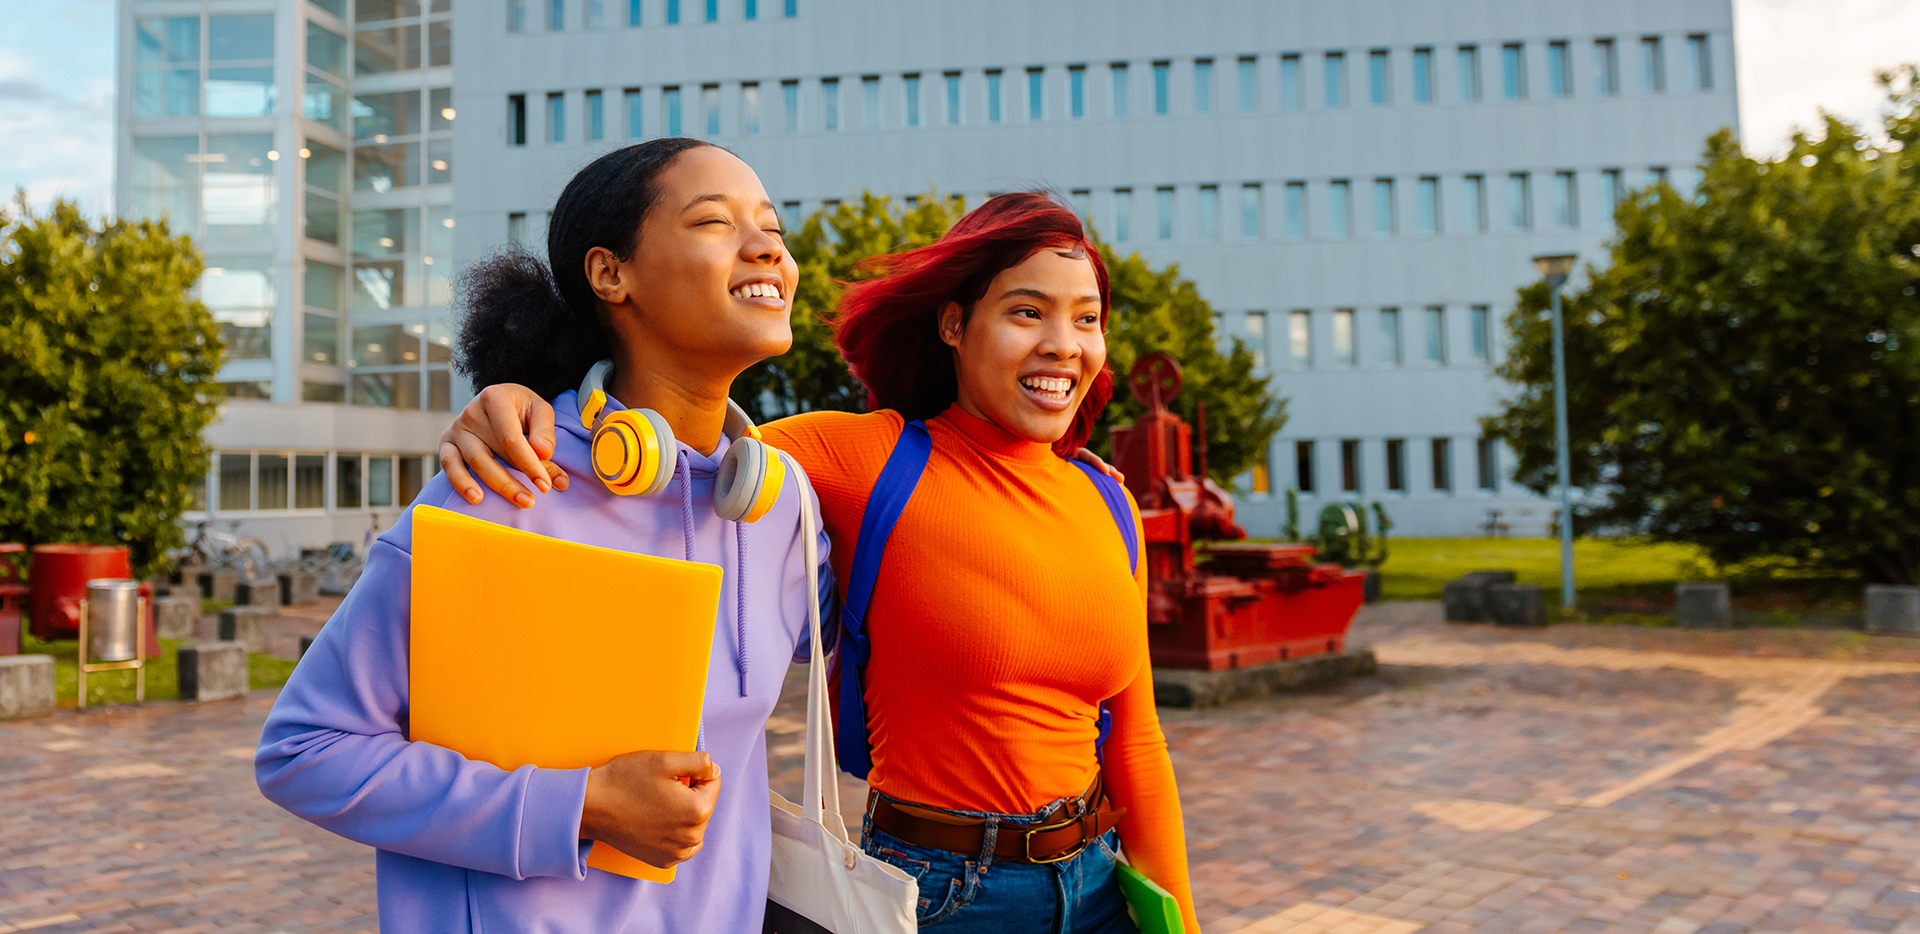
1554, 267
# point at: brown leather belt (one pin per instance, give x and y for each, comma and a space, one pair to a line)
1074, 829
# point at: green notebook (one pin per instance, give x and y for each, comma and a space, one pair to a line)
1154, 911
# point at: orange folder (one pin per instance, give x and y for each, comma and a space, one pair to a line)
529, 650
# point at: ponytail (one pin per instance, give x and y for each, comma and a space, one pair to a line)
538, 323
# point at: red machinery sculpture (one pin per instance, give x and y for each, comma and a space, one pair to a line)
1248, 603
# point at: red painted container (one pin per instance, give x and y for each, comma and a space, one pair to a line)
13, 593
59, 582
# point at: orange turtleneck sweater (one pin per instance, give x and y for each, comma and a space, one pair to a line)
1005, 613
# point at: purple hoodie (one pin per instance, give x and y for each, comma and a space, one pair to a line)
463, 846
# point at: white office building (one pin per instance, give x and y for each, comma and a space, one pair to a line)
1356, 186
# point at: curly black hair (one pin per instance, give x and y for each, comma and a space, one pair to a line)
537, 323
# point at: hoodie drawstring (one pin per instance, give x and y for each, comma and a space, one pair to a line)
740, 599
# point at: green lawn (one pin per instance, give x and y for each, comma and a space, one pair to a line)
1417, 568
116, 687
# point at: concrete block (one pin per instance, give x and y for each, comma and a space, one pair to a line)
26, 686
1516, 605
298, 587
251, 626
219, 585
1466, 597
306, 642
174, 616
1893, 609
1179, 687
262, 593
1493, 577
213, 671
1370, 588
1704, 605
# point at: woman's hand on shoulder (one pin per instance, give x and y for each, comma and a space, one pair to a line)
1093, 460
512, 421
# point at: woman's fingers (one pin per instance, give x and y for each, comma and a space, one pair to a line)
480, 460
456, 471
1088, 457
505, 416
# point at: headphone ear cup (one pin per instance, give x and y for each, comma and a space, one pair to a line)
659, 469
749, 482
632, 452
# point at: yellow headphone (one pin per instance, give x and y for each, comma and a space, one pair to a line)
633, 452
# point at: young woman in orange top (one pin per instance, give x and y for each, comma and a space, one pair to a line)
1008, 612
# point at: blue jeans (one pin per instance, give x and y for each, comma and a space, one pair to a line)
968, 893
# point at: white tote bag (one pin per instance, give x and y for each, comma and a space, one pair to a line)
821, 881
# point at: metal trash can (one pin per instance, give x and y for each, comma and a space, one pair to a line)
113, 619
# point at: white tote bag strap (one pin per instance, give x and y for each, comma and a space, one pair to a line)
820, 789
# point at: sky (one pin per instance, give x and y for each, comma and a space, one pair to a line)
1795, 57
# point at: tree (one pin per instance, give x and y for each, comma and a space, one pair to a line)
1745, 374
106, 381
1152, 310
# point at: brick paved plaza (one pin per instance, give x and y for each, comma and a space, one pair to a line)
1582, 779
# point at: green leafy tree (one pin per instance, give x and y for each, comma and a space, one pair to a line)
106, 369
1152, 310
1745, 373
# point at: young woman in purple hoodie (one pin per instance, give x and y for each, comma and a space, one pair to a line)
667, 259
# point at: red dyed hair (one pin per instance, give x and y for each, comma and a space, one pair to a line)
888, 327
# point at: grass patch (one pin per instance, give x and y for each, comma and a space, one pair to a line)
1417, 568
163, 683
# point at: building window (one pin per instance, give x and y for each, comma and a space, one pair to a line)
670, 108
1339, 208
517, 229
710, 108
596, 14
1513, 71
1520, 201
1257, 338
1656, 175
1467, 62
1383, 214
1436, 333
1248, 84
1296, 208
1163, 213
556, 15
911, 83
1423, 76
673, 12
1343, 345
750, 108
636, 127
1303, 466
1119, 72
1653, 65
713, 11
1379, 78
1616, 189
1700, 58
1479, 326
1202, 85
870, 98
1390, 336
633, 12
1429, 204
1122, 214
1160, 86
516, 15
557, 117
1252, 225
1442, 460
1036, 93
596, 119
1258, 482
1473, 202
1300, 337
993, 96
830, 104
1290, 81
1606, 68
750, 10
1082, 204
790, 8
1336, 79
1350, 465
516, 119
1566, 199
1486, 459
1397, 465
1209, 212
1559, 70
1077, 91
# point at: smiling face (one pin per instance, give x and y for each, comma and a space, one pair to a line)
710, 285
1028, 354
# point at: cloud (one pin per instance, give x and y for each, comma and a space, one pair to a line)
20, 89
1799, 57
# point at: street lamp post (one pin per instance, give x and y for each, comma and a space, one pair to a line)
1554, 269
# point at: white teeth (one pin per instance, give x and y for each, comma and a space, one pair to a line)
757, 290
1048, 385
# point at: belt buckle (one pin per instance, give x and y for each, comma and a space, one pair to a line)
1027, 841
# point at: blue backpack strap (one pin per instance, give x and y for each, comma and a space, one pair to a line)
890, 494
1116, 499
